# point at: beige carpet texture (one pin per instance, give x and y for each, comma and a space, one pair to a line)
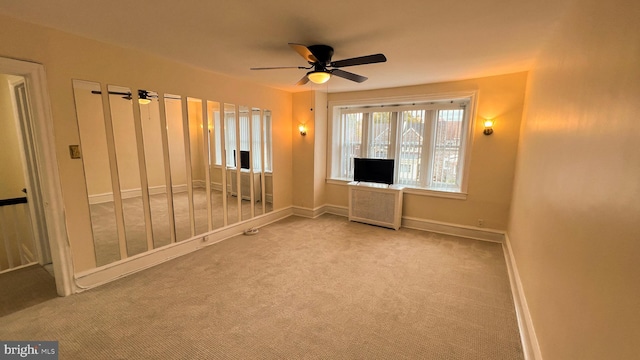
25, 287
322, 288
105, 233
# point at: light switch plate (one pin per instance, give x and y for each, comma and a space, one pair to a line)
74, 151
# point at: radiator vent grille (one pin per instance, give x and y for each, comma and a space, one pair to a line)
375, 206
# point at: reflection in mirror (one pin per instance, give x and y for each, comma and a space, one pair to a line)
256, 157
154, 161
95, 160
178, 165
215, 164
232, 158
268, 161
246, 174
124, 139
198, 161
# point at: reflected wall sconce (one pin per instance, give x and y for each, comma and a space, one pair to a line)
488, 126
303, 129
143, 97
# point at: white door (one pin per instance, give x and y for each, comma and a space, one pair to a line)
22, 110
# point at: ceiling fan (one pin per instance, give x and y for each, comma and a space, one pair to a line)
321, 66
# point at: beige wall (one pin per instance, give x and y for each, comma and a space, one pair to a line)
320, 148
303, 150
11, 169
124, 139
66, 57
309, 151
575, 219
153, 152
93, 139
492, 159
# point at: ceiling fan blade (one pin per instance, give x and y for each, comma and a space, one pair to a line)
349, 76
303, 81
362, 60
277, 67
304, 52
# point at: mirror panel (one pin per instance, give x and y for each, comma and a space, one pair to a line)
199, 160
156, 176
246, 173
268, 160
178, 166
232, 172
125, 142
95, 160
256, 157
215, 164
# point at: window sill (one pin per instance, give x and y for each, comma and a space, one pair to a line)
414, 191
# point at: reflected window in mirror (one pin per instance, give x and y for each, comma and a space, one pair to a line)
232, 157
215, 164
257, 151
268, 159
246, 180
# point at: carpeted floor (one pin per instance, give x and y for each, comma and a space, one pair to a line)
320, 288
25, 287
105, 233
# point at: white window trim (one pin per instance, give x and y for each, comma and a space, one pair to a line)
408, 101
412, 190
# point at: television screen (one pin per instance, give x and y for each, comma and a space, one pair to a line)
373, 170
244, 159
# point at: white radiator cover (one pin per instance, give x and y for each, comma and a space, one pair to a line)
376, 204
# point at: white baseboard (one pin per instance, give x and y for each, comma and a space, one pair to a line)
216, 186
17, 268
308, 213
133, 193
430, 225
454, 229
199, 184
104, 274
337, 210
530, 346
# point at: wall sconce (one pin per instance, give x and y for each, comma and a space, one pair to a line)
488, 127
303, 129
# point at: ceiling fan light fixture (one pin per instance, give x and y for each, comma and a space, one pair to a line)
319, 77
143, 97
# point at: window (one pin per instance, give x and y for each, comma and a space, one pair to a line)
427, 139
252, 125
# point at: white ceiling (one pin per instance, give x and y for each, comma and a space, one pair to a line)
425, 41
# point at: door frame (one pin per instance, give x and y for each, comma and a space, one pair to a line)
43, 146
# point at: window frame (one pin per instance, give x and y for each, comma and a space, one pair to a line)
396, 104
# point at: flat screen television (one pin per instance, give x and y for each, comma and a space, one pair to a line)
244, 159
373, 170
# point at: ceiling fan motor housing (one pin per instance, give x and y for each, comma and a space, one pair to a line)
323, 53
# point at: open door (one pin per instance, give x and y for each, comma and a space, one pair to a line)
22, 112
26, 103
